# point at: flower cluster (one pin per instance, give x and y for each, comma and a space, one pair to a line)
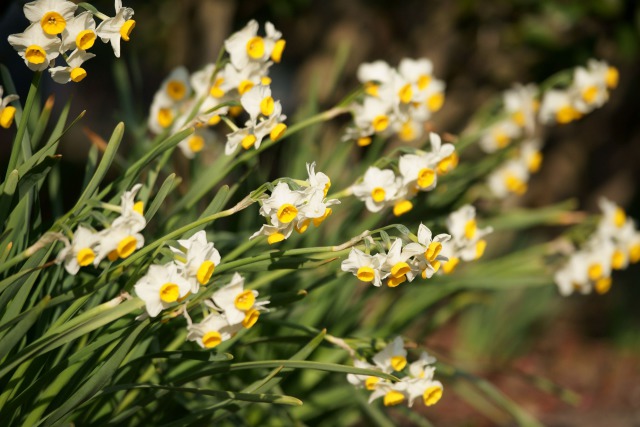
397, 101
400, 263
614, 245
467, 240
419, 171
588, 90
233, 308
56, 30
417, 382
290, 208
194, 262
118, 241
201, 99
7, 112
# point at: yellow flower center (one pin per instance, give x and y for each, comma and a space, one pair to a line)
502, 139
370, 383
215, 91
165, 117
205, 271
515, 185
423, 81
6, 116
535, 161
566, 114
196, 143
380, 123
287, 213
266, 106
436, 266
35, 54
139, 207
407, 132
617, 259
363, 141
371, 89
448, 163
402, 207
255, 47
318, 221
405, 94
395, 281
211, 339
244, 86
435, 102
432, 395
113, 255
595, 271
612, 77
303, 226
603, 285
518, 118
619, 217
481, 245
589, 94
250, 318
634, 253
433, 250
426, 177
275, 238
470, 229
393, 398
278, 131
450, 265
126, 246
85, 257
78, 74
276, 53
398, 363
378, 194
214, 120
400, 269
365, 274
245, 300
176, 90
169, 292
265, 80
125, 30
248, 141
85, 39
53, 23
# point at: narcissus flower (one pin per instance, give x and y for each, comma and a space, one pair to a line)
81, 252
427, 251
37, 48
238, 304
161, 287
363, 381
510, 178
393, 357
245, 46
197, 259
80, 33
7, 112
73, 71
213, 330
112, 30
51, 15
558, 106
499, 136
379, 188
367, 268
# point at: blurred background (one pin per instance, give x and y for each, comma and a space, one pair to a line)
518, 340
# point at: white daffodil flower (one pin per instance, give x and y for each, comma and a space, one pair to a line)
37, 48
7, 112
81, 252
512, 177
112, 30
162, 114
589, 89
418, 171
531, 155
245, 46
428, 389
393, 357
605, 72
283, 204
379, 188
428, 252
627, 246
558, 107
393, 393
373, 74
463, 226
363, 381
500, 136
243, 79
176, 86
73, 71
318, 181
274, 233
417, 71
421, 368
315, 207
197, 259
521, 104
599, 255
614, 219
51, 15
397, 264
239, 305
373, 116
433, 96
367, 268
194, 143
213, 330
162, 286
573, 276
79, 33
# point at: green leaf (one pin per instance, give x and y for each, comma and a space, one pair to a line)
16, 333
